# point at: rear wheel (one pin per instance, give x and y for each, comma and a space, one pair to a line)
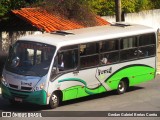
122, 87
54, 101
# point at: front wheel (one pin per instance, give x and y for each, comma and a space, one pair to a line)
54, 101
122, 87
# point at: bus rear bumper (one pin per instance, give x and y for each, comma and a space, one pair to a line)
35, 97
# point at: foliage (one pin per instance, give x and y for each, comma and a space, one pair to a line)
7, 5
143, 5
13, 4
77, 10
155, 4
102, 7
3, 10
107, 7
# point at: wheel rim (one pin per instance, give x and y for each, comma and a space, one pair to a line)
121, 86
54, 99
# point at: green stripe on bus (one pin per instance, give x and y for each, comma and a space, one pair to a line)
135, 73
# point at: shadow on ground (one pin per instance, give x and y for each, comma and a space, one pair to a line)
26, 107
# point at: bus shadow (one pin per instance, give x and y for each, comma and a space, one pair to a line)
27, 107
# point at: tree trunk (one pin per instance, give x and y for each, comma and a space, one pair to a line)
118, 10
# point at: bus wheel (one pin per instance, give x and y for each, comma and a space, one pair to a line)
122, 87
54, 101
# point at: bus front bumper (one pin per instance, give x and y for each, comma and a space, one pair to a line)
35, 97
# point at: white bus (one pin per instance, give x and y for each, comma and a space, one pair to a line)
63, 65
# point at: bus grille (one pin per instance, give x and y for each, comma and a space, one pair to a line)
26, 88
18, 95
22, 87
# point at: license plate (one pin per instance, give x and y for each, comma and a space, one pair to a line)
18, 99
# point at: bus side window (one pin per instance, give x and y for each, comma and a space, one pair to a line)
147, 45
128, 48
109, 45
67, 58
89, 54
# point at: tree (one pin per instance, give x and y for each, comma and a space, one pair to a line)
102, 7
107, 7
3, 10
77, 10
155, 4
118, 10
7, 5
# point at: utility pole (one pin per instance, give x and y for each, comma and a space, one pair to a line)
118, 10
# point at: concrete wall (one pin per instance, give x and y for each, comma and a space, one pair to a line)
149, 18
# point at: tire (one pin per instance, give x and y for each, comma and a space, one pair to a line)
122, 87
54, 101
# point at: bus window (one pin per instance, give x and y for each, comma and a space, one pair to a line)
128, 48
109, 58
128, 42
147, 45
89, 48
30, 55
146, 39
128, 54
147, 51
89, 61
108, 45
89, 55
30, 58
67, 59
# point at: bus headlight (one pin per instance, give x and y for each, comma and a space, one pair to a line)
39, 87
4, 81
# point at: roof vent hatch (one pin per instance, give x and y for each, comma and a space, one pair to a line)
121, 24
63, 33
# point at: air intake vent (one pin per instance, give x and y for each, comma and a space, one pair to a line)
63, 33
13, 86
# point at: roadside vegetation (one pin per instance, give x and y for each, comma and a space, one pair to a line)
79, 10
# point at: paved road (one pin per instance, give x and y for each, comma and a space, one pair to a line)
143, 97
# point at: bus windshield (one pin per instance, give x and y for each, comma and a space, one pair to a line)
30, 58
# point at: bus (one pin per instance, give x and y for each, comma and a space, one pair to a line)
54, 67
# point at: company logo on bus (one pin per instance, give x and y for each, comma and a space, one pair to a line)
103, 74
109, 70
26, 84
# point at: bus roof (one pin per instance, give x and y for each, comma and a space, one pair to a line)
79, 36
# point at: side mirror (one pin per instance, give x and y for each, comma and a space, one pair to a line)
54, 72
